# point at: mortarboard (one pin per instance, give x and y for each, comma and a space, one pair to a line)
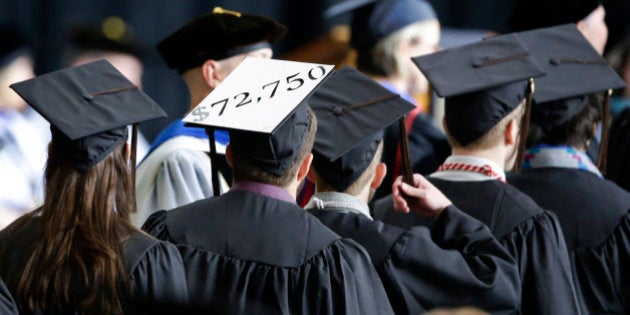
482, 83
13, 44
574, 70
531, 14
218, 35
377, 20
262, 104
352, 110
88, 107
112, 34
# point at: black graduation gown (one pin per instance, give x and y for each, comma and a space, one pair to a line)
457, 263
531, 235
246, 253
618, 167
156, 272
7, 305
428, 148
595, 221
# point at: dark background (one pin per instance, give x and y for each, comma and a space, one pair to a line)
45, 23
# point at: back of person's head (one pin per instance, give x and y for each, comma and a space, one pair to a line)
16, 64
274, 159
379, 30
112, 40
77, 260
491, 138
353, 182
576, 132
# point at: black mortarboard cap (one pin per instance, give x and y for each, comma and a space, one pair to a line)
13, 44
112, 34
482, 83
352, 110
269, 129
218, 35
88, 107
532, 14
574, 69
375, 21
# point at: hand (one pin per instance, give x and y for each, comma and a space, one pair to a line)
424, 198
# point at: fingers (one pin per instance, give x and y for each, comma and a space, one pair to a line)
400, 204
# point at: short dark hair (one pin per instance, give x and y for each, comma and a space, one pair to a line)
576, 132
245, 170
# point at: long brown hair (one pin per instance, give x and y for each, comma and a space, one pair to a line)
85, 218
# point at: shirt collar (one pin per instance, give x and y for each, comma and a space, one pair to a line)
469, 168
263, 189
558, 156
336, 201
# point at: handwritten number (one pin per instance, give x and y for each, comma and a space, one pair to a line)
224, 101
245, 100
313, 77
200, 113
292, 78
273, 92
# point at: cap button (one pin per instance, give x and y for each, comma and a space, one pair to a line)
88, 97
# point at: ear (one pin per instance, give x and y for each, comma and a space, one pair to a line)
228, 154
210, 71
443, 122
305, 166
511, 132
379, 175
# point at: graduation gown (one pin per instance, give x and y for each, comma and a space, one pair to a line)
458, 263
595, 221
7, 305
531, 235
247, 253
618, 167
175, 173
155, 270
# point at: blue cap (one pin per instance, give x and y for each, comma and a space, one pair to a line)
378, 20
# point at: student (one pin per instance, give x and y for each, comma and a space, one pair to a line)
457, 263
253, 250
78, 252
559, 176
386, 35
485, 85
204, 51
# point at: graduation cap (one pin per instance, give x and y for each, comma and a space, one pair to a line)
112, 34
218, 35
352, 110
532, 14
574, 70
13, 44
482, 83
88, 107
374, 20
261, 102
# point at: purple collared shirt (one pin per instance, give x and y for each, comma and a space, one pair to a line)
263, 189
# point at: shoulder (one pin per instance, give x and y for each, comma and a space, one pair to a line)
141, 248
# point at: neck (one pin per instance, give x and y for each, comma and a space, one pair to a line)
495, 154
198, 89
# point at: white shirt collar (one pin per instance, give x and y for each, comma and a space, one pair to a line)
469, 168
335, 201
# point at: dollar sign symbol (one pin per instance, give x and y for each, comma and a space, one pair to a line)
200, 114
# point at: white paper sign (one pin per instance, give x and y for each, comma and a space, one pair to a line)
258, 94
